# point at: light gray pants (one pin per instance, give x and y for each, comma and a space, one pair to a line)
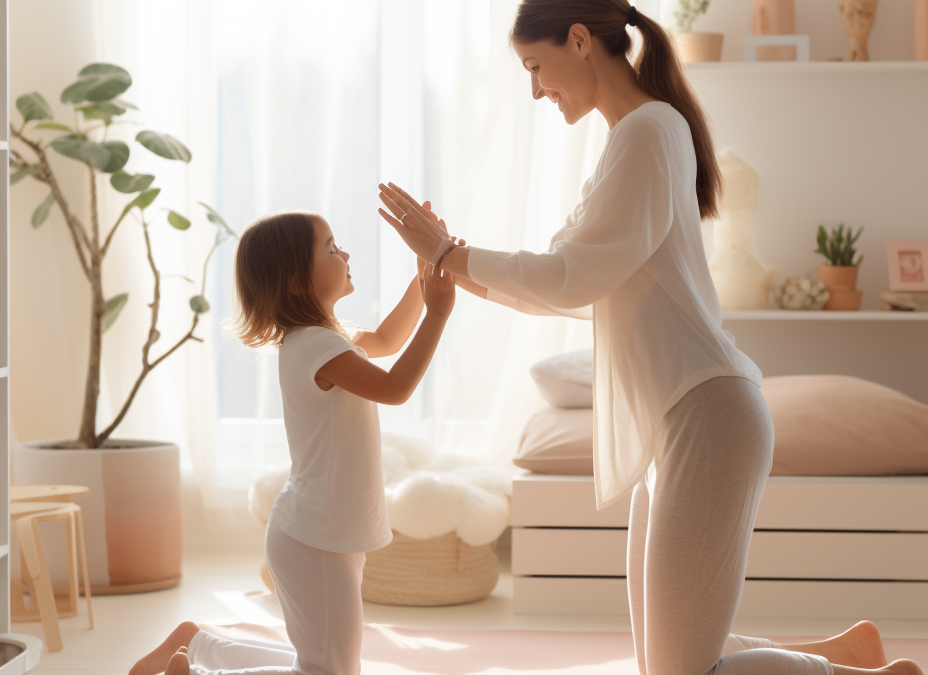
689, 534
320, 596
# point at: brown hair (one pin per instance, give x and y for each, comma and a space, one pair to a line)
659, 72
273, 267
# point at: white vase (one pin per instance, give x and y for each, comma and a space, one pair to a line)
741, 280
132, 513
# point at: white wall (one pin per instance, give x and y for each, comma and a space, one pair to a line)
49, 299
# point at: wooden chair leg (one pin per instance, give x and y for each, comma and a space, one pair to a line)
31, 543
79, 518
73, 579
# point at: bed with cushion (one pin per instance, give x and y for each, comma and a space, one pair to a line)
843, 524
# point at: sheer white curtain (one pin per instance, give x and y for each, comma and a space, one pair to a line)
309, 104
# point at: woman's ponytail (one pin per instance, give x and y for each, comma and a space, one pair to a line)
659, 71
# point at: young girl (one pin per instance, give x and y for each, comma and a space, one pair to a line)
289, 275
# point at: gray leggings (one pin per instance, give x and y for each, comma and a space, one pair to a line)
689, 534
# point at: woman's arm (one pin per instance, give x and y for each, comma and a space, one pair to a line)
355, 374
395, 329
623, 218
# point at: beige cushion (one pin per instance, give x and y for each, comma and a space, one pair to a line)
832, 425
566, 380
825, 425
558, 440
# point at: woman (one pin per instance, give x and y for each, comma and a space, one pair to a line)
679, 414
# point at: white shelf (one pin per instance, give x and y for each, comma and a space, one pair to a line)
821, 315
4, 550
808, 67
4, 145
4, 372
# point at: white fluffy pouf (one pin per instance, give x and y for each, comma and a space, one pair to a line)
429, 498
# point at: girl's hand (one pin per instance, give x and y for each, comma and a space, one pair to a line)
419, 227
438, 291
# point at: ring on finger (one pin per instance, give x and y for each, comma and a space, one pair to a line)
402, 217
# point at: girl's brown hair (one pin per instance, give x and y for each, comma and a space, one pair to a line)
273, 267
659, 72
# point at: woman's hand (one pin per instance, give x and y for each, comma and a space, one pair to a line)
438, 291
421, 229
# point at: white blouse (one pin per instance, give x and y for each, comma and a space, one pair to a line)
630, 257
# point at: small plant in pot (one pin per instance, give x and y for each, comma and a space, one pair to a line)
839, 273
695, 47
132, 514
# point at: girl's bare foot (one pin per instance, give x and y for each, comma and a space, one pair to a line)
860, 646
157, 661
179, 664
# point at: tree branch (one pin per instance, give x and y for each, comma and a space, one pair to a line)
109, 237
78, 232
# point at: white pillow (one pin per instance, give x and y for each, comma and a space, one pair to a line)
566, 380
558, 441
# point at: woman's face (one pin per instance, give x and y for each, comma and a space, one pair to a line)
330, 278
562, 74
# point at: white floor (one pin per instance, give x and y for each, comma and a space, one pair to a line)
222, 585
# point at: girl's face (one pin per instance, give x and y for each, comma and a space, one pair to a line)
562, 74
330, 278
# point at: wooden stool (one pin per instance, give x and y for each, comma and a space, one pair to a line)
46, 493
35, 575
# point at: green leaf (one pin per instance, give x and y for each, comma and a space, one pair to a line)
144, 200
34, 107
224, 231
125, 104
164, 145
79, 147
119, 155
178, 276
57, 126
97, 82
178, 221
199, 304
127, 183
42, 210
105, 111
108, 157
113, 307
23, 172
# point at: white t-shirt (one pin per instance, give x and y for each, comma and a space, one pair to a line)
334, 499
630, 257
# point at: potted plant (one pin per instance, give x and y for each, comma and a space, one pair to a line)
132, 513
692, 46
839, 273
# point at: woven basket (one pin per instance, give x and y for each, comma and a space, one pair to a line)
428, 572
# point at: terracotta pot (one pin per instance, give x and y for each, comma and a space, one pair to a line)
699, 47
132, 514
841, 283
921, 30
775, 17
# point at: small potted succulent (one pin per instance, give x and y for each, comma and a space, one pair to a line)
839, 273
695, 47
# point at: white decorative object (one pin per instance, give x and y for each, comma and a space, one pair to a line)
801, 293
741, 280
800, 42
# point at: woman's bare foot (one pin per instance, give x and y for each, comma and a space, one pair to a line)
179, 664
860, 646
157, 661
897, 667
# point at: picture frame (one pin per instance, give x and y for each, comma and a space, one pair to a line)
908, 265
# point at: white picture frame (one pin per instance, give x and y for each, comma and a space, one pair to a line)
908, 265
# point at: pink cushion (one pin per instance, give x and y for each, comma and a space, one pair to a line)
825, 425
832, 425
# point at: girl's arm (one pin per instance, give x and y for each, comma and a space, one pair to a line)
396, 328
355, 374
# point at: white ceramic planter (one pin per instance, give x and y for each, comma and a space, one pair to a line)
132, 514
